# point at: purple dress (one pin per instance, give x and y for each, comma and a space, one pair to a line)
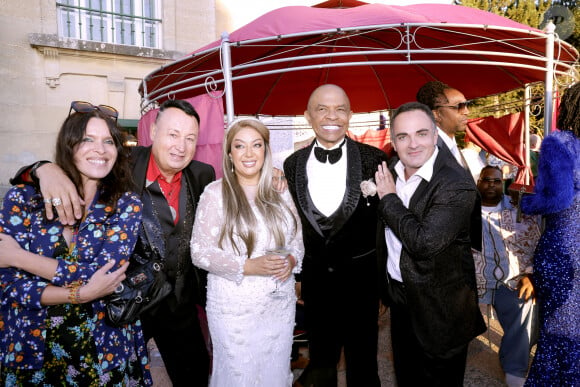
557, 262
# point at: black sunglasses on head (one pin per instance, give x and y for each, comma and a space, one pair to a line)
458, 107
87, 107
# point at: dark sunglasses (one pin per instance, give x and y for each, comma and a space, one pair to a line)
87, 107
458, 107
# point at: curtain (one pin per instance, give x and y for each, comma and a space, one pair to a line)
504, 138
211, 130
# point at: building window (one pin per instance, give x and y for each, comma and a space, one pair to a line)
130, 22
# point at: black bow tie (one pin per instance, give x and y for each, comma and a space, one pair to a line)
332, 155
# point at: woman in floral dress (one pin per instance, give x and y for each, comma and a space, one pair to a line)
53, 277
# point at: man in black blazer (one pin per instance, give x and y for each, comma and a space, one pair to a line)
170, 183
451, 109
339, 279
430, 271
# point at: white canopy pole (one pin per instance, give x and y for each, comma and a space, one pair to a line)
549, 83
227, 71
527, 102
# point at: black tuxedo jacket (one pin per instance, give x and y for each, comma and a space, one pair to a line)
189, 282
436, 262
352, 240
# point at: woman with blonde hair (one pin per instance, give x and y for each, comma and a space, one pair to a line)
247, 235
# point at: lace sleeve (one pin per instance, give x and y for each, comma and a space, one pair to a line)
295, 242
205, 252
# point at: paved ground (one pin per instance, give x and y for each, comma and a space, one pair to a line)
483, 367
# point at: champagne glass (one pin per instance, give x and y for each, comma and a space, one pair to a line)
283, 253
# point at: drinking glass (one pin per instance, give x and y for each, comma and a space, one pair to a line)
283, 252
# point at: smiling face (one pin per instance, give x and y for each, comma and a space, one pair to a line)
449, 118
329, 114
174, 137
414, 139
95, 155
247, 153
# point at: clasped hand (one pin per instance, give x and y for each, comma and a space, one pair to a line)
278, 266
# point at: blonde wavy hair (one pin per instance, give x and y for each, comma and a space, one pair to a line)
239, 217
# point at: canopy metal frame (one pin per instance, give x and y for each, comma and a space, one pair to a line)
503, 52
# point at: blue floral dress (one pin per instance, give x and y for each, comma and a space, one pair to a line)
67, 344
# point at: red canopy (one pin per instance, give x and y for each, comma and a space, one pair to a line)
380, 54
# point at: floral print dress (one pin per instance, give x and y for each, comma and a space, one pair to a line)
67, 344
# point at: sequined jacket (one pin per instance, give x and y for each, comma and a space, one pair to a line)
106, 233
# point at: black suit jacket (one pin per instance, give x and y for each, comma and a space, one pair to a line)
436, 262
475, 217
189, 282
352, 239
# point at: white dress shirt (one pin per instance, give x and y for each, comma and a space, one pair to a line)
451, 144
326, 181
405, 190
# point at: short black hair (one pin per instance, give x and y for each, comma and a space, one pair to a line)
490, 167
432, 94
180, 104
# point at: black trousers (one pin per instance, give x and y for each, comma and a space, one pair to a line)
181, 344
342, 313
413, 366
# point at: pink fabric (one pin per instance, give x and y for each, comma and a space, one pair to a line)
385, 77
211, 131
504, 138
295, 19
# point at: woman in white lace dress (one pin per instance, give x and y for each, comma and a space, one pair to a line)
251, 301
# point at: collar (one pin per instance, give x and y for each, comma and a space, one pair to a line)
449, 141
335, 146
425, 172
153, 173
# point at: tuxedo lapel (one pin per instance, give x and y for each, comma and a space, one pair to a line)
353, 190
302, 187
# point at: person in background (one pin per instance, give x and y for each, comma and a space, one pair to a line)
53, 277
503, 271
472, 156
450, 109
428, 264
339, 284
249, 238
169, 183
557, 258
535, 143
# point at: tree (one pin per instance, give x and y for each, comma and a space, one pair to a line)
530, 13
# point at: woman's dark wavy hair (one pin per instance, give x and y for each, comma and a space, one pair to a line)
569, 115
71, 133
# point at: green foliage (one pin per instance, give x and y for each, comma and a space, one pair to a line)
529, 12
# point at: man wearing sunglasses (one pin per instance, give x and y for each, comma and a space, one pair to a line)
450, 109
170, 182
503, 270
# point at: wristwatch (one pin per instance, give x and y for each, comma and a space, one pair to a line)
32, 172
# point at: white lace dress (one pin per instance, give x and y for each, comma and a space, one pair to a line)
251, 331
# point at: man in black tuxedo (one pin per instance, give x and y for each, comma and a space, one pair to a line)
170, 183
339, 279
430, 271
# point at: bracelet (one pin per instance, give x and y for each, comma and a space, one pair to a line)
32, 172
74, 293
